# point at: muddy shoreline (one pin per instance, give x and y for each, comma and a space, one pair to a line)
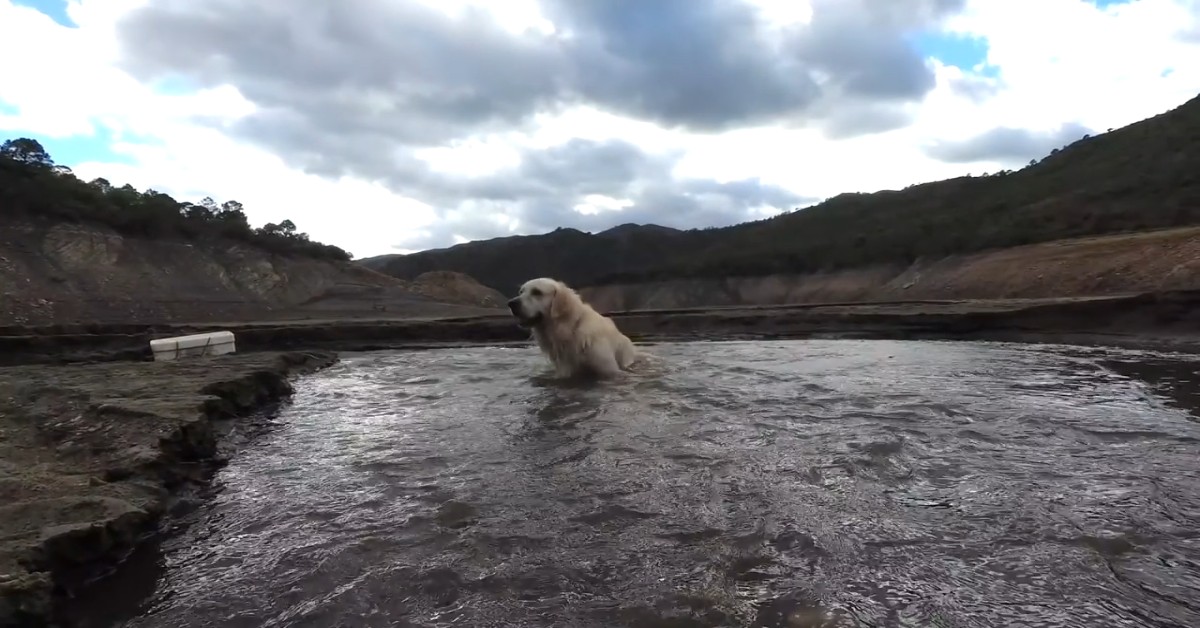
1158, 320
94, 456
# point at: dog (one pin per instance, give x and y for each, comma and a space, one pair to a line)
576, 339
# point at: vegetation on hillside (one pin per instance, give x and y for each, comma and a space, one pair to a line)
33, 187
570, 254
1143, 176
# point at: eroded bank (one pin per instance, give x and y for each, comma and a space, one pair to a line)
93, 456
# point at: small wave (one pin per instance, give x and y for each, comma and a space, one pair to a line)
830, 483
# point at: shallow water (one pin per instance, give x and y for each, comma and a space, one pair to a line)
821, 483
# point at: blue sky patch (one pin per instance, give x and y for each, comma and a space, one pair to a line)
73, 150
56, 9
961, 51
175, 85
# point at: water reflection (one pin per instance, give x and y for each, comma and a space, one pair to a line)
806, 483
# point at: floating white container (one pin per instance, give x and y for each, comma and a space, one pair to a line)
194, 346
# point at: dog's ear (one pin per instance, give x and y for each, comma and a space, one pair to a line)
560, 303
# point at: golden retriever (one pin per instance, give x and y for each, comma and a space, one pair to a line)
578, 340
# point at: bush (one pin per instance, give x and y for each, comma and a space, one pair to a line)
32, 186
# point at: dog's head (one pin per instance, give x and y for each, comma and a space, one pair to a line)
540, 300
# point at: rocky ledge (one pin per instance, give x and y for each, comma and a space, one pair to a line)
1163, 319
91, 456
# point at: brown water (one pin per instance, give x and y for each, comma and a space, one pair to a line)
821, 483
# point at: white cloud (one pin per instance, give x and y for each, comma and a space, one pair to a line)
596, 203
76, 85
515, 16
1059, 61
1064, 60
474, 157
193, 162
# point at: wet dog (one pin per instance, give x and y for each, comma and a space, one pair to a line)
578, 340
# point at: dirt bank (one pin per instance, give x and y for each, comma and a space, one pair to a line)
69, 273
1169, 317
84, 343
91, 456
1169, 320
1112, 265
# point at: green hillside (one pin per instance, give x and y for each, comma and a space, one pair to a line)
1143, 176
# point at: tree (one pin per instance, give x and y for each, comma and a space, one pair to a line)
232, 216
284, 229
125, 197
33, 187
102, 184
27, 151
196, 212
163, 203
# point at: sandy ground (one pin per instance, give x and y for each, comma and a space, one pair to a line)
90, 456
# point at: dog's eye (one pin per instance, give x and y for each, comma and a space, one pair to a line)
535, 292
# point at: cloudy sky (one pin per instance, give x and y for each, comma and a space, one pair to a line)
395, 125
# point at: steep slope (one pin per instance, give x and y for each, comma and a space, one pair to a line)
1141, 177
56, 273
451, 287
75, 252
576, 256
1150, 261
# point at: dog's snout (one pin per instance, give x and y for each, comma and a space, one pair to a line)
512, 303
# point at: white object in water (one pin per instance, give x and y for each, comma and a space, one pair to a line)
194, 346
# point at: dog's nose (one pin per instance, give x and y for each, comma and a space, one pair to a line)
512, 304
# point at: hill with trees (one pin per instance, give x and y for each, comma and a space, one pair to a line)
1140, 177
91, 252
581, 258
33, 187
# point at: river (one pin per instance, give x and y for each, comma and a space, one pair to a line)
797, 483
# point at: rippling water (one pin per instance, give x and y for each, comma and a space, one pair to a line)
805, 483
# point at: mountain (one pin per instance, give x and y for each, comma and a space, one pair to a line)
579, 257
1140, 177
76, 252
